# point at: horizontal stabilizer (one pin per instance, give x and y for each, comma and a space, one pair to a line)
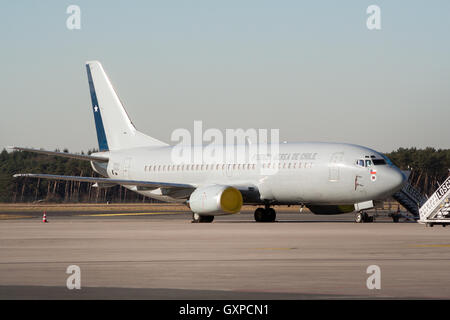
149, 184
102, 158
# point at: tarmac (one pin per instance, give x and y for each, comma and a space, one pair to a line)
162, 255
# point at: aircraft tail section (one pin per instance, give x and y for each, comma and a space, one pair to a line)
114, 128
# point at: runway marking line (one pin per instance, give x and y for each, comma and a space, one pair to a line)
12, 216
433, 245
126, 214
275, 248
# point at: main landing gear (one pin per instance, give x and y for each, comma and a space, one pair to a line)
266, 214
362, 216
196, 218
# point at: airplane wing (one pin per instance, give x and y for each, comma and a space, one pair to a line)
138, 183
97, 158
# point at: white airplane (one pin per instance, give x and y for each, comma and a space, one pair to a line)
328, 178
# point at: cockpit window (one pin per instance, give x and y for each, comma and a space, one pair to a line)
379, 162
364, 163
388, 161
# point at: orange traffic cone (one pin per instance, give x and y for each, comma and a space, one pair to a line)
44, 218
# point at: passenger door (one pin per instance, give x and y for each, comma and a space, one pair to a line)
334, 166
126, 168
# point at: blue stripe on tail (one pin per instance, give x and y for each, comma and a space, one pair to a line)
101, 136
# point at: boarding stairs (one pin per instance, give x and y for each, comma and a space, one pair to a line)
436, 210
410, 198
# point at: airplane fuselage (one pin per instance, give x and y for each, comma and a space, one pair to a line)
306, 173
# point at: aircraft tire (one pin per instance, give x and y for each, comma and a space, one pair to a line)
271, 215
259, 215
361, 217
196, 218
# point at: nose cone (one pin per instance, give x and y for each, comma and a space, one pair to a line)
395, 179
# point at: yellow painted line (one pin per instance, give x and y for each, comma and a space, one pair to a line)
275, 248
126, 214
433, 245
11, 216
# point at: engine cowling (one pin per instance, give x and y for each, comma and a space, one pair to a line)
216, 200
331, 209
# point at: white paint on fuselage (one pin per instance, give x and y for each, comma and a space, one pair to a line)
326, 177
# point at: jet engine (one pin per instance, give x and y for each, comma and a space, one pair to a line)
215, 200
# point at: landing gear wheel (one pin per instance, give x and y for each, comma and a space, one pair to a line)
362, 217
271, 215
196, 218
259, 215
265, 215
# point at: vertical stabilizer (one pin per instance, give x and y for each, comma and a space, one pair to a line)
115, 130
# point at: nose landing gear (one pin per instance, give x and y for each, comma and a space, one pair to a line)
265, 215
362, 217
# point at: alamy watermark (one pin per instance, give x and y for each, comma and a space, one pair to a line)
374, 19
255, 147
74, 280
73, 22
374, 280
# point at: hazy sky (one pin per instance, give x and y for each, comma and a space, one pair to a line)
309, 68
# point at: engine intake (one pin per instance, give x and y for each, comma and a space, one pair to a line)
216, 200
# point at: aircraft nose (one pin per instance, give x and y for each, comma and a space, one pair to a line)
396, 179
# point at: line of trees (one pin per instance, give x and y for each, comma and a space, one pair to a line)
429, 167
32, 190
